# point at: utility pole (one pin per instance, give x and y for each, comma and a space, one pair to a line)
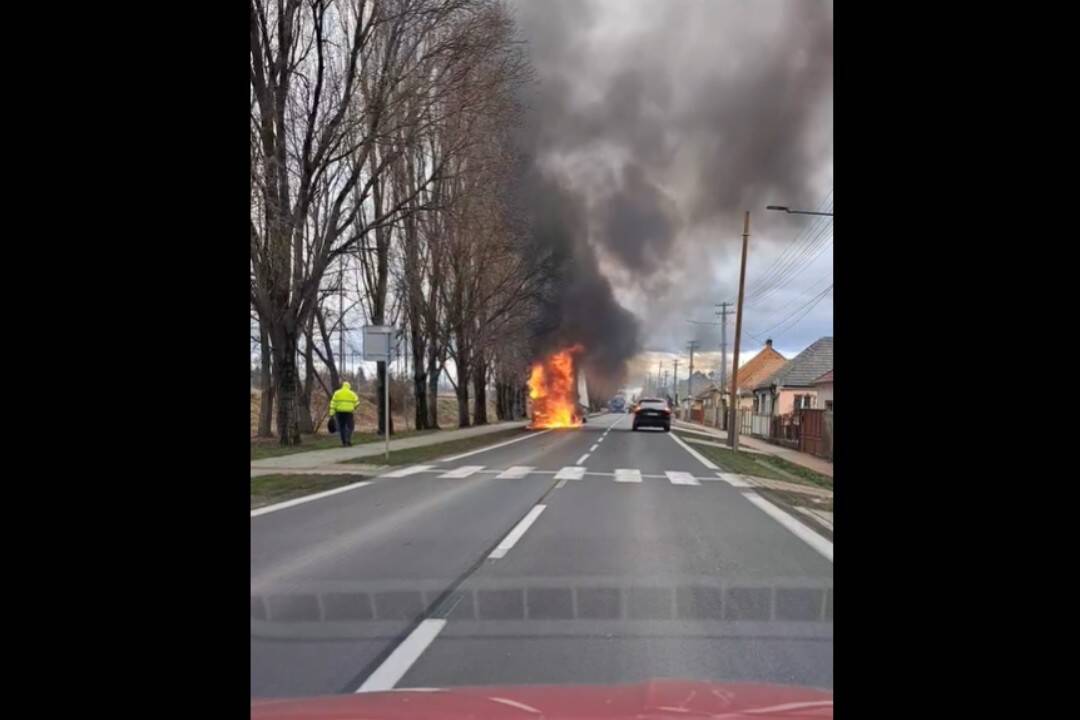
724, 312
676, 382
733, 421
690, 382
665, 381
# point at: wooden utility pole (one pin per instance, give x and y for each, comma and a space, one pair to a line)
733, 413
676, 382
690, 381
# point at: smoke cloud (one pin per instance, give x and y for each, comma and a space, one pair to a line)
650, 129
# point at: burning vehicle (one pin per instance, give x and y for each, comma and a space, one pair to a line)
558, 392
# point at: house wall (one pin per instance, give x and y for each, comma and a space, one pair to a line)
786, 401
824, 393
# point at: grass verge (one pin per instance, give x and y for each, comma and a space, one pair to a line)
760, 465
270, 489
268, 447
411, 456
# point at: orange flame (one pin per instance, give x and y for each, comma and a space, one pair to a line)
552, 391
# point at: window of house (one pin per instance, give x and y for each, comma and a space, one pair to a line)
828, 404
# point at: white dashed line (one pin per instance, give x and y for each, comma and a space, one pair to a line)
412, 470
462, 472
393, 668
593, 448
515, 472
582, 459
681, 478
511, 539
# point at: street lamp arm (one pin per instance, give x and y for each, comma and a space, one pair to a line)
789, 211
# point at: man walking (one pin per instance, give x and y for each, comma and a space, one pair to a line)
342, 405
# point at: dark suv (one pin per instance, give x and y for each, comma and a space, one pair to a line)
652, 412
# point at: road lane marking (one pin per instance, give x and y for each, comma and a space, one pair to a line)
495, 446
733, 479
570, 472
560, 484
593, 448
411, 470
462, 472
582, 459
511, 539
800, 530
393, 668
627, 475
701, 458
515, 472
307, 498
681, 478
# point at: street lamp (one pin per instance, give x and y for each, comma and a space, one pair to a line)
796, 212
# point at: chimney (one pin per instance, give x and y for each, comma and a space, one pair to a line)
768, 343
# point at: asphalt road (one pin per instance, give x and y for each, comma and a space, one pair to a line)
604, 556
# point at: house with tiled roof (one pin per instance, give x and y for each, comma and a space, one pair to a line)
714, 399
759, 367
792, 385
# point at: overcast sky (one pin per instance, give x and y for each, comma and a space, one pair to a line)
664, 121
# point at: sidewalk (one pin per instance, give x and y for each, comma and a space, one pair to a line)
321, 458
807, 460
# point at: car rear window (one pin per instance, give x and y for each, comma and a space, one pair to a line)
654, 404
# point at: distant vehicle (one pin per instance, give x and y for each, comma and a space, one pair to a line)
617, 404
653, 412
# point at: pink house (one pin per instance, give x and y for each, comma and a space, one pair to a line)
792, 385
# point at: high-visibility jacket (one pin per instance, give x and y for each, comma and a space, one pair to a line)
344, 400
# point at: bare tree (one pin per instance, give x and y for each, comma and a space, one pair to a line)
325, 77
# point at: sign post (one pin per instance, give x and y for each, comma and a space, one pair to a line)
377, 347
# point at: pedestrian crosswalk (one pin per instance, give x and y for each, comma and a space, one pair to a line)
576, 473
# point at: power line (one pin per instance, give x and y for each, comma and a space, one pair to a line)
795, 265
808, 306
810, 290
767, 277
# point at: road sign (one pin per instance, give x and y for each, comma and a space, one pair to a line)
378, 342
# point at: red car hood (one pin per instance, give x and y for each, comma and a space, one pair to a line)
655, 699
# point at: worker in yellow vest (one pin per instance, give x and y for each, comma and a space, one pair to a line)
342, 405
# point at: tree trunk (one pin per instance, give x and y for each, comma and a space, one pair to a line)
283, 350
266, 386
419, 376
433, 387
480, 394
420, 392
463, 395
380, 398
